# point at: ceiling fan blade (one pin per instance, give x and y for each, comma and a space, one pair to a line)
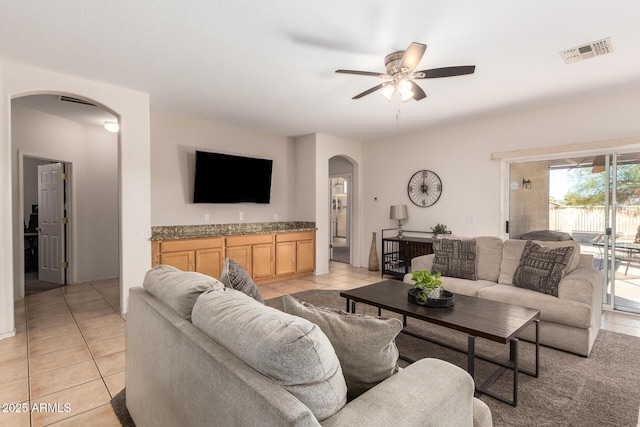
373, 89
413, 55
418, 93
435, 73
361, 73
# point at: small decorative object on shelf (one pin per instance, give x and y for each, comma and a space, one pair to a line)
374, 265
439, 229
428, 290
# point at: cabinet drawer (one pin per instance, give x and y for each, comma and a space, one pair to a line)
294, 236
254, 239
190, 244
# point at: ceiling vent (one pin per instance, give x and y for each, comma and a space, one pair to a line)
76, 100
597, 48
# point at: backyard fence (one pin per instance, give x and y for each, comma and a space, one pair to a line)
591, 219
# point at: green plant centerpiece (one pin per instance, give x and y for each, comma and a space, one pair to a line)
428, 286
439, 229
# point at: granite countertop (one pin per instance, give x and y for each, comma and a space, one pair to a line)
173, 232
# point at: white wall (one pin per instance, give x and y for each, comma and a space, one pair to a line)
305, 189
175, 139
134, 179
92, 151
327, 147
461, 155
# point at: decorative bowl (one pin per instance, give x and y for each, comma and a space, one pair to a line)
445, 300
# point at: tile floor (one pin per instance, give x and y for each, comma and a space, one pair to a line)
70, 348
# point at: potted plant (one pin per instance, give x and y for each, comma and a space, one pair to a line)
427, 286
439, 229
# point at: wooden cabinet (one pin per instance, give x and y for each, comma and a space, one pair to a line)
254, 253
266, 257
201, 255
295, 252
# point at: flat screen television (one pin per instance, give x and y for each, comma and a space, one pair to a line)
224, 178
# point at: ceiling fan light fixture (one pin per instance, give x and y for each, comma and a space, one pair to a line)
404, 86
407, 96
388, 91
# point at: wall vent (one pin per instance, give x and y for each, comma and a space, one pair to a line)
75, 100
597, 48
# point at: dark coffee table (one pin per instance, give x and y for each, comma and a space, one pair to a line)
476, 317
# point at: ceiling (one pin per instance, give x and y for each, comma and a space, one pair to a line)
270, 65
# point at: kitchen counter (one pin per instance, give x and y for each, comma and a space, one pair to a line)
173, 232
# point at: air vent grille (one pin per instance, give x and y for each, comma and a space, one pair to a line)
76, 100
597, 48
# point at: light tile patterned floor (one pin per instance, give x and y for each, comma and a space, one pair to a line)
70, 347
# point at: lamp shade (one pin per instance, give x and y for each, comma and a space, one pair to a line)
398, 212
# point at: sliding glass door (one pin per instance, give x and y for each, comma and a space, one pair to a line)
595, 199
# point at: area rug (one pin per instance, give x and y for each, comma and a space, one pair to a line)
601, 390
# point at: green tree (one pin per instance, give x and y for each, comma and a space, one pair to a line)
587, 188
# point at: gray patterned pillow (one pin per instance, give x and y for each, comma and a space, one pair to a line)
455, 258
541, 268
236, 277
365, 345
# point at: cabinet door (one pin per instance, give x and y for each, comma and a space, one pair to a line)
209, 262
285, 258
184, 260
305, 255
241, 255
263, 261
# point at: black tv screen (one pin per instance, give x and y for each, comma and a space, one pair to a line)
224, 178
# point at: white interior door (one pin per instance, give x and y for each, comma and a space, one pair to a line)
50, 223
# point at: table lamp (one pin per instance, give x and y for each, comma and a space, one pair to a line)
399, 212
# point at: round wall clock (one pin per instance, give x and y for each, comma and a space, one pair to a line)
424, 188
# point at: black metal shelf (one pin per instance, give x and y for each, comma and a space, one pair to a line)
397, 252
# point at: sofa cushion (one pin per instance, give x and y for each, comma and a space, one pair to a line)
465, 287
178, 289
541, 269
512, 251
365, 345
455, 258
552, 309
236, 277
290, 350
546, 235
488, 257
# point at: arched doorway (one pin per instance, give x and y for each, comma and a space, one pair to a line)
341, 209
54, 129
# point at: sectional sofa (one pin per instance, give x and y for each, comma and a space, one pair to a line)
569, 321
200, 353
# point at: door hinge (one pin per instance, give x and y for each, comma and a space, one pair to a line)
63, 176
65, 220
65, 264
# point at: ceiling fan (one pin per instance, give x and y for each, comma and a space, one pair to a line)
400, 74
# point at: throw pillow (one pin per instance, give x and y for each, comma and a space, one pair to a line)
455, 258
178, 289
541, 268
289, 350
236, 277
365, 345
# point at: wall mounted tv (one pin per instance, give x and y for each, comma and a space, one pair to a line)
224, 178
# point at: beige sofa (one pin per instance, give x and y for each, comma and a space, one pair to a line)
570, 321
177, 374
